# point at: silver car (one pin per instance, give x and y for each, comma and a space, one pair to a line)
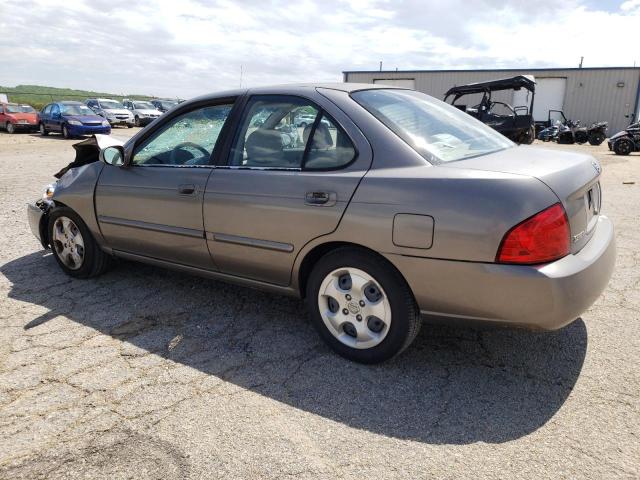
393, 206
112, 110
143, 112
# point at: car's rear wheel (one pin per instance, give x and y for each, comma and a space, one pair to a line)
43, 131
11, 128
623, 146
65, 132
361, 306
73, 246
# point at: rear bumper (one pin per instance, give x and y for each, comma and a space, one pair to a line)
78, 130
544, 297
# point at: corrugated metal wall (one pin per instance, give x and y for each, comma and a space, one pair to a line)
592, 94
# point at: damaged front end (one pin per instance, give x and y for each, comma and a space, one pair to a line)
87, 153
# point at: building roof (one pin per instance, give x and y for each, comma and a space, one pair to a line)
537, 69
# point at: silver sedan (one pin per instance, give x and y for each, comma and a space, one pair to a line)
388, 207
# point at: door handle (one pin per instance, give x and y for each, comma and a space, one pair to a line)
320, 198
187, 189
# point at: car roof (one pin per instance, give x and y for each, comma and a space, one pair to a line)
295, 88
69, 102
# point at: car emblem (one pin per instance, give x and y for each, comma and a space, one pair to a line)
353, 307
596, 166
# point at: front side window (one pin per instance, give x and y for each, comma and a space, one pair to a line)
188, 139
289, 132
436, 130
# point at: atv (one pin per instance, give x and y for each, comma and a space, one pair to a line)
569, 131
515, 123
626, 141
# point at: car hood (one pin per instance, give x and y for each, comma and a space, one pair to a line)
31, 117
88, 151
84, 118
563, 172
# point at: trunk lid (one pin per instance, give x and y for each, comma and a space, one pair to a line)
573, 177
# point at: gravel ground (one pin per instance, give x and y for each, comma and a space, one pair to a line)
146, 373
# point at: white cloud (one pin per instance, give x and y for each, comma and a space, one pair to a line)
196, 46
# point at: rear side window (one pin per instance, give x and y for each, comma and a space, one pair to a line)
287, 132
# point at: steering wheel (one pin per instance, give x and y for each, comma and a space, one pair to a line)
177, 148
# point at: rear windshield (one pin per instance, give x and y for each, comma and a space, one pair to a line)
436, 130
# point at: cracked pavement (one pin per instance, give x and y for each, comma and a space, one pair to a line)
146, 373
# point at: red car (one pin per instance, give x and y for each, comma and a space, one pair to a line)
14, 117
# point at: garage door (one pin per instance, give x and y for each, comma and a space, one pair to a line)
549, 96
398, 82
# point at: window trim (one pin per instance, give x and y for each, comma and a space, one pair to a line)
167, 118
321, 113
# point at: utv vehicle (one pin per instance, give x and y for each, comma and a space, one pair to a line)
515, 123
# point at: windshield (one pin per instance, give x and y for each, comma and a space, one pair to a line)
19, 109
76, 110
168, 104
111, 105
143, 106
436, 130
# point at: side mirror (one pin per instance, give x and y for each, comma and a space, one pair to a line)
113, 156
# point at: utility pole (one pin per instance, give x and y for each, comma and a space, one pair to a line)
380, 65
240, 75
581, 60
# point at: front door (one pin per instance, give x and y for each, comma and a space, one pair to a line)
154, 206
282, 185
54, 120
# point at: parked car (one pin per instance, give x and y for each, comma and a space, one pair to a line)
164, 105
112, 110
374, 221
71, 119
143, 112
514, 122
627, 141
15, 117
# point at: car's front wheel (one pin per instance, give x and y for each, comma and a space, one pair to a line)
65, 132
137, 121
11, 128
73, 246
361, 306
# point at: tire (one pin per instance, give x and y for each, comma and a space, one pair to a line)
596, 139
65, 132
137, 121
624, 146
43, 131
11, 128
348, 325
93, 261
528, 137
303, 125
129, 125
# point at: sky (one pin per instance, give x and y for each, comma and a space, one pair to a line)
191, 47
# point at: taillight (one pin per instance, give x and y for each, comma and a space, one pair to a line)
539, 239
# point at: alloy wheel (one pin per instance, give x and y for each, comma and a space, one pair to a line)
68, 243
354, 308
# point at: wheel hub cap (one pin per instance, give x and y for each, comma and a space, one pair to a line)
348, 296
68, 243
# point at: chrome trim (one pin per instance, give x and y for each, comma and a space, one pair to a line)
242, 167
154, 227
250, 242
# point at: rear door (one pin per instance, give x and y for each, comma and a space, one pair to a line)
153, 208
282, 185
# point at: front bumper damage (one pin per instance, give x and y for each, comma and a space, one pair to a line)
36, 213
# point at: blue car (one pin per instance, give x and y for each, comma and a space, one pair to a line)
71, 119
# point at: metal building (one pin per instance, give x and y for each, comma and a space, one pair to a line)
585, 94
